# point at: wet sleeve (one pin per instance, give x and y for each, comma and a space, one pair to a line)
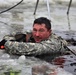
31, 48
8, 37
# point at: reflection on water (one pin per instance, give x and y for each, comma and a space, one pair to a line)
67, 62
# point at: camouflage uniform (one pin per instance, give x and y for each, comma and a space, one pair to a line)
53, 44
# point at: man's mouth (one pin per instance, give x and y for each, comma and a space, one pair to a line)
38, 39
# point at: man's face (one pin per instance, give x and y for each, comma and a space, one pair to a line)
40, 32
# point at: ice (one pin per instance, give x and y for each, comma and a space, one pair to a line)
22, 59
29, 66
5, 56
63, 72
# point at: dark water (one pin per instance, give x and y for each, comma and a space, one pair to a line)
67, 62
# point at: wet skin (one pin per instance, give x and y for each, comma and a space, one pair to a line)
40, 32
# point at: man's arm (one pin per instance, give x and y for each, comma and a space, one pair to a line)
17, 37
33, 48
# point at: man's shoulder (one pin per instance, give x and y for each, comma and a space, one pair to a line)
53, 35
57, 37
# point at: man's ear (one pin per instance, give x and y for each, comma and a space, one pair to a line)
50, 31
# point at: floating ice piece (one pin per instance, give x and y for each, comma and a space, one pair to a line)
22, 59
5, 56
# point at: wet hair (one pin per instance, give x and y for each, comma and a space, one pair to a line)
43, 20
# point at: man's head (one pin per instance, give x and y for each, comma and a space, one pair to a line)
41, 29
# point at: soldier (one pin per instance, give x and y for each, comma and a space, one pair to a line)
41, 41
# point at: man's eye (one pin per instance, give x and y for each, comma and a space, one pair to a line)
34, 30
41, 30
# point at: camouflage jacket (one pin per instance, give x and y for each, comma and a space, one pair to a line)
53, 44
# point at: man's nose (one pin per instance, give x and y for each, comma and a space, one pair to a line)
37, 33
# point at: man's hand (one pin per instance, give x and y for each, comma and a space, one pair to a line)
2, 44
